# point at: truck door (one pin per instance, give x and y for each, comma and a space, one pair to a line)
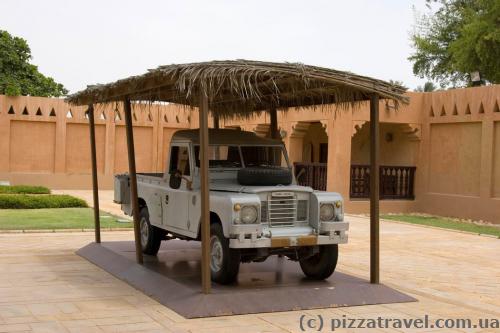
177, 195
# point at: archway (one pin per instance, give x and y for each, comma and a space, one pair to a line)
309, 142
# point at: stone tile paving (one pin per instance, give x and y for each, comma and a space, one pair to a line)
45, 287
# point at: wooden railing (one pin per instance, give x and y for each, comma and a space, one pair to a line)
311, 174
396, 182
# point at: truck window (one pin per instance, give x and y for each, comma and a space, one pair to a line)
220, 156
263, 156
179, 160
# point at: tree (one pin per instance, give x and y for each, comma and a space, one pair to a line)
460, 37
18, 76
427, 87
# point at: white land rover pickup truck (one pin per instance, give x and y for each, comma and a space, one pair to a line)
256, 208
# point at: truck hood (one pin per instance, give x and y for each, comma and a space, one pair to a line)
231, 185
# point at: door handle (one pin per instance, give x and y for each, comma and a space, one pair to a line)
166, 199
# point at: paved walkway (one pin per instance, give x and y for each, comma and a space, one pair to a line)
45, 287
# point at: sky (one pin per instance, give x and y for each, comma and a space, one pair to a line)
87, 42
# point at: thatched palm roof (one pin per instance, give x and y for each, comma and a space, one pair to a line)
240, 87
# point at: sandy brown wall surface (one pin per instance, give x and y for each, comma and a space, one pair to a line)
452, 138
45, 141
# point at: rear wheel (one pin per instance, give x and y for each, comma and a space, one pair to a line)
151, 236
321, 265
224, 261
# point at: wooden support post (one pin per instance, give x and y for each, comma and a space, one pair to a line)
133, 179
275, 134
205, 195
216, 122
95, 185
374, 190
273, 117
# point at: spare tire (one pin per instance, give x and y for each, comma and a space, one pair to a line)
264, 176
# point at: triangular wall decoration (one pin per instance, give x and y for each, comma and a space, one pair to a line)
481, 108
455, 110
52, 113
25, 111
496, 108
432, 112
69, 114
102, 116
11, 110
165, 118
118, 116
443, 111
467, 109
134, 116
39, 112
150, 116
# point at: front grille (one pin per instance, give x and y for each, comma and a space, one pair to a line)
281, 209
302, 212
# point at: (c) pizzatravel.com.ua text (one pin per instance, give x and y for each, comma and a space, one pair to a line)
322, 323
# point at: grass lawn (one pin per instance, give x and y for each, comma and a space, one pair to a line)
443, 222
55, 218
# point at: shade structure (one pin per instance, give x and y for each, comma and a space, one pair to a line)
242, 88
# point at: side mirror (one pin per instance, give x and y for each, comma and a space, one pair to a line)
175, 179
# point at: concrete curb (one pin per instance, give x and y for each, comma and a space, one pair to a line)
51, 231
428, 226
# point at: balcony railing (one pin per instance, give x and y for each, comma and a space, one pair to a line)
396, 182
311, 174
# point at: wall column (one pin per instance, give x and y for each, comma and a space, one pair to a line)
109, 148
339, 153
487, 146
293, 143
5, 135
60, 150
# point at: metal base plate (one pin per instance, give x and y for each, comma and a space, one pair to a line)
173, 279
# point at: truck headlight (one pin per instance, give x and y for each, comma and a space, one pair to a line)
248, 214
326, 212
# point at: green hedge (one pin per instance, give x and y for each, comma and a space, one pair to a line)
23, 189
24, 201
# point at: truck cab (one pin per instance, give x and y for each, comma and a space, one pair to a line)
256, 207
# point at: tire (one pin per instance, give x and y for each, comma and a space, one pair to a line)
224, 261
264, 176
151, 236
321, 265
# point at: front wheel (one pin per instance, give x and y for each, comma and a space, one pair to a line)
150, 235
321, 265
224, 261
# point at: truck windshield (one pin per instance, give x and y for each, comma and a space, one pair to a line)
263, 156
222, 156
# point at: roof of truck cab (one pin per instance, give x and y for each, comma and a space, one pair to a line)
225, 137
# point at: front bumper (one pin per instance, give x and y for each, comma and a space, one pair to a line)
252, 237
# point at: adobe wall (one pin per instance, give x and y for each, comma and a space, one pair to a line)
346, 130
45, 141
452, 137
459, 166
